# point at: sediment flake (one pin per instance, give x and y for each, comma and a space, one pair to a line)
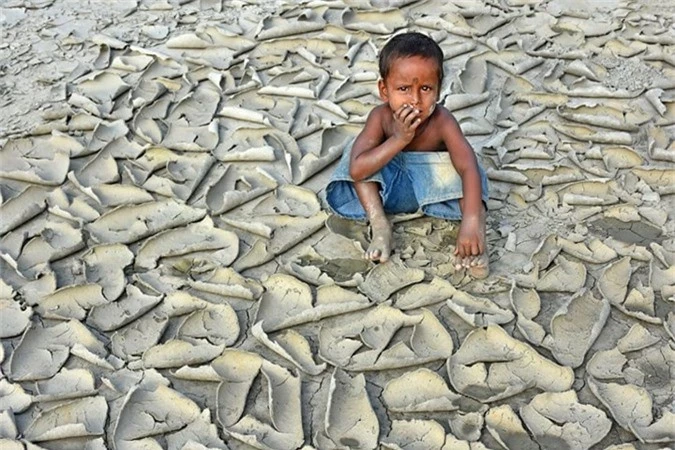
350, 420
491, 365
367, 343
281, 427
558, 419
288, 301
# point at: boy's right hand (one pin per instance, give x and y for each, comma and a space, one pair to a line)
406, 121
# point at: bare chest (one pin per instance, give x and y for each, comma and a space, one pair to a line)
427, 138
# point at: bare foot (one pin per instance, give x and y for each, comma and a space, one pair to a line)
480, 267
380, 243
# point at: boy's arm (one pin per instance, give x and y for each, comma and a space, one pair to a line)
465, 162
372, 149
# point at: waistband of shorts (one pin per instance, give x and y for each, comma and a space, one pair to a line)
427, 157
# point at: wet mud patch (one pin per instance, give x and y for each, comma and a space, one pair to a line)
630, 232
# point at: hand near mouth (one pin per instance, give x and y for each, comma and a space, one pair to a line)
406, 121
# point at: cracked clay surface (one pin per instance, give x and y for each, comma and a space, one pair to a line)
171, 278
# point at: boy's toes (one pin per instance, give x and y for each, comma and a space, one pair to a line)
377, 253
380, 243
462, 262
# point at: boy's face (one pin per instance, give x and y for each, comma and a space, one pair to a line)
412, 81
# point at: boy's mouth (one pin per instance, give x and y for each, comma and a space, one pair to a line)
418, 111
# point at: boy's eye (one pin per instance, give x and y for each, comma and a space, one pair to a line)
403, 88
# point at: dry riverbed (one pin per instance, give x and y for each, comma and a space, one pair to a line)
171, 277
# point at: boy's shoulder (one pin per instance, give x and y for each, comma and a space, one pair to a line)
441, 116
381, 116
443, 112
443, 119
381, 111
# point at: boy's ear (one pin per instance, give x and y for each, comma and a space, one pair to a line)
382, 88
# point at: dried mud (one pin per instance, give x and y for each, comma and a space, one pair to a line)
171, 277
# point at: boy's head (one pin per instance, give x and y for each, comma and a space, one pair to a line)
411, 71
406, 45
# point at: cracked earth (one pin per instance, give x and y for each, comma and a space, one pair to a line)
171, 277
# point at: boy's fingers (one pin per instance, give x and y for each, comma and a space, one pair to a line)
408, 113
403, 109
410, 118
466, 251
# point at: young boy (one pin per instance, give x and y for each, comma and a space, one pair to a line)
411, 155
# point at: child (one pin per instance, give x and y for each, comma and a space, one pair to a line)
399, 163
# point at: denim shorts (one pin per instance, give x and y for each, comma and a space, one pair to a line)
410, 182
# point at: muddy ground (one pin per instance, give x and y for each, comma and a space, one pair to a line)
171, 277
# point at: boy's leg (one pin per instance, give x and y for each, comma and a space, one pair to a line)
380, 243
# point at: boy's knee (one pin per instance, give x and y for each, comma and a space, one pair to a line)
355, 175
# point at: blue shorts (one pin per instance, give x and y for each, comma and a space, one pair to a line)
410, 182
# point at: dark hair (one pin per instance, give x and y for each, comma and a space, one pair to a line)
410, 44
